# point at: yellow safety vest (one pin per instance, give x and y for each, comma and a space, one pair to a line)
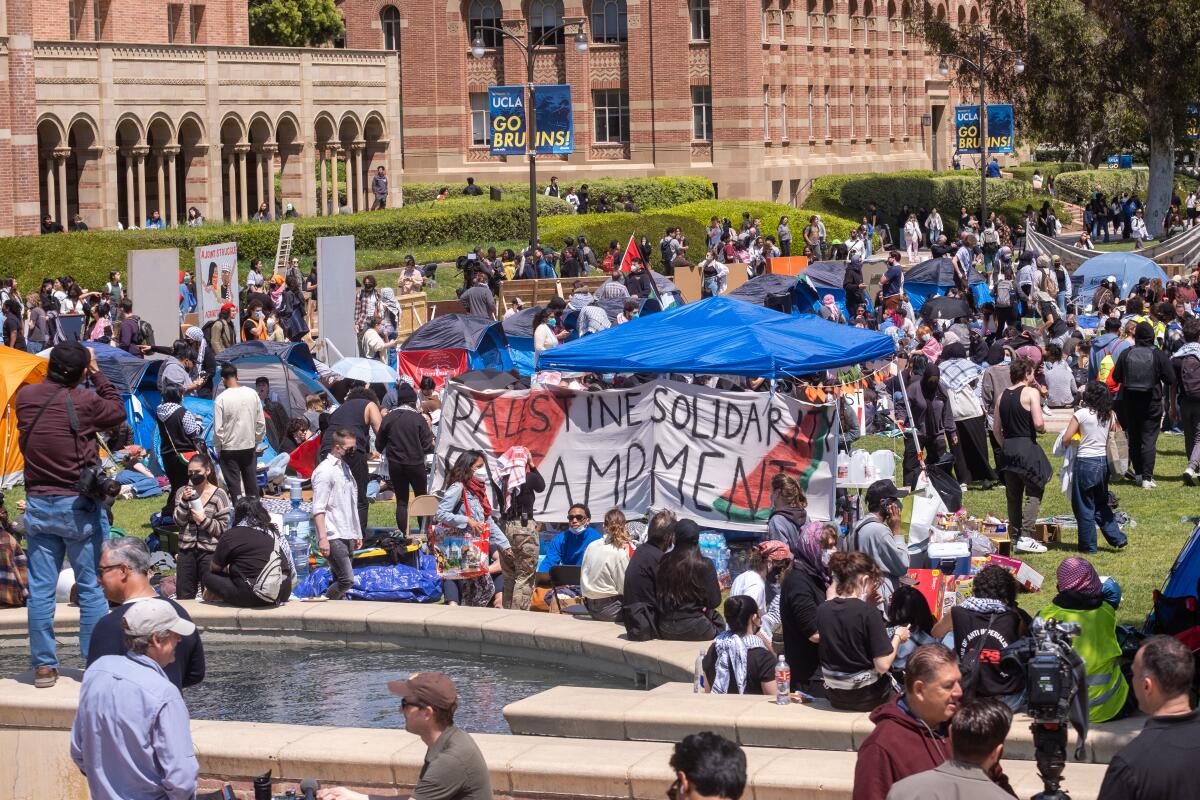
1097, 645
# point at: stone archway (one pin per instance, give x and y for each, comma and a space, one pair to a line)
52, 155
261, 166
291, 163
324, 134
191, 169
131, 167
160, 182
374, 153
85, 172
350, 137
234, 149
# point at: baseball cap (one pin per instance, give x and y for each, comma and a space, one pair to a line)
433, 689
154, 616
878, 491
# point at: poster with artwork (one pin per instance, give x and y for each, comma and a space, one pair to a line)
216, 280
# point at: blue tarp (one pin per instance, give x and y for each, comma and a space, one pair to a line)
395, 583
1126, 267
933, 277
820, 279
721, 336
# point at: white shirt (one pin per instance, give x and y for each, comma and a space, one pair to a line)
602, 573
544, 338
752, 585
912, 230
336, 496
1093, 434
374, 346
254, 278
238, 422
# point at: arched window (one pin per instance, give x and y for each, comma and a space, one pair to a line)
546, 19
962, 16
868, 22
608, 21
974, 16
698, 13
389, 20
483, 18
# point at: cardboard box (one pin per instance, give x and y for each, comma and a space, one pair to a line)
1047, 532
929, 583
1028, 577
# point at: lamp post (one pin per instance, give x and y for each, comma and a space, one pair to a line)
983, 41
478, 50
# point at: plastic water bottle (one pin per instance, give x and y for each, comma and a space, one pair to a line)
297, 532
698, 675
783, 682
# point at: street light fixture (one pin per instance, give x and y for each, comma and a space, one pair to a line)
478, 50
983, 41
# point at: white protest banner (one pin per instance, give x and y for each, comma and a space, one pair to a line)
216, 280
705, 454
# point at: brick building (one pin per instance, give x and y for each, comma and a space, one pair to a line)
113, 109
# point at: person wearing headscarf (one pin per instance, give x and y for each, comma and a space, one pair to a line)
391, 310
769, 561
960, 379
830, 311
804, 589
205, 360
931, 418
739, 661
1083, 599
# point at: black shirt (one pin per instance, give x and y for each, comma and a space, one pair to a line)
1159, 764
404, 437
997, 633
760, 667
800, 597
108, 639
243, 552
12, 325
853, 635
1050, 314
640, 583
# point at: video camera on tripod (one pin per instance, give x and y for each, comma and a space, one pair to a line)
1056, 682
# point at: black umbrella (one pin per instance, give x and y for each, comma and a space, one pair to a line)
943, 307
491, 379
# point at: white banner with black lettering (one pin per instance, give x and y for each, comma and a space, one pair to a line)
705, 454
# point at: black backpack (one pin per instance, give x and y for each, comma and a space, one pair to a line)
1140, 375
1189, 376
665, 250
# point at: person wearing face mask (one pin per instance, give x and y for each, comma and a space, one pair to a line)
568, 546
254, 327
932, 418
639, 282
273, 329
367, 305
223, 334
466, 504
738, 661
854, 648
546, 334
202, 511
804, 589
335, 512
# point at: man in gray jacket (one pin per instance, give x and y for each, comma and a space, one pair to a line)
977, 734
873, 536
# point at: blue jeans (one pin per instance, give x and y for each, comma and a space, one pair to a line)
934, 233
74, 527
1061, 299
1089, 502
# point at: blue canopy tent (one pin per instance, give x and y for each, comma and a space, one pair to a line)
933, 277
1127, 268
518, 330
818, 280
721, 336
127, 373
483, 340
289, 366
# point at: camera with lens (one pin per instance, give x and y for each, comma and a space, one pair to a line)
95, 484
1056, 686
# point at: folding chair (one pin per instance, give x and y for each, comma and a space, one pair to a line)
563, 575
423, 508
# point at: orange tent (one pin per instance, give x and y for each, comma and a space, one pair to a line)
17, 368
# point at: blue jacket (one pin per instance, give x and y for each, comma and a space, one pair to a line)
567, 548
544, 270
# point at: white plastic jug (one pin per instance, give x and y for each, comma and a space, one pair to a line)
861, 468
884, 463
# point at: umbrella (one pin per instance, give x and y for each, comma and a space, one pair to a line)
491, 379
367, 370
942, 307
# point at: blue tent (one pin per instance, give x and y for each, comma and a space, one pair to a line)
518, 330
483, 339
756, 290
1183, 581
933, 277
721, 336
127, 373
1127, 268
289, 367
818, 280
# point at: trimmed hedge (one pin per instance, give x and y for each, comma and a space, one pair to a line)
1046, 168
647, 193
90, 256
1077, 187
947, 193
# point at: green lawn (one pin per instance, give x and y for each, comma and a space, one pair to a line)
1114, 246
1142, 566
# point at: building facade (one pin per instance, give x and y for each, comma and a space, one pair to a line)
114, 109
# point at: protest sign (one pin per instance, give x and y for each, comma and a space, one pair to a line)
216, 281
705, 454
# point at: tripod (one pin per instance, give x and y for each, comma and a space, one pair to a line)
1050, 750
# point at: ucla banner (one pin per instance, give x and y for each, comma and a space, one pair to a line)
1192, 127
999, 129
506, 112
555, 124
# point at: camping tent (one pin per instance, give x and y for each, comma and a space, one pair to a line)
721, 336
818, 280
482, 340
518, 330
128, 374
933, 277
771, 291
17, 368
1128, 268
289, 366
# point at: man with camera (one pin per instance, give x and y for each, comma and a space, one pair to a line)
910, 733
977, 735
64, 514
1160, 764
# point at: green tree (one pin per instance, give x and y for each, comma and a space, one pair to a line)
294, 23
1100, 74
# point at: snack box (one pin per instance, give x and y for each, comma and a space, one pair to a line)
1026, 576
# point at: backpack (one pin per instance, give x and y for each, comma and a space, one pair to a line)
1140, 375
968, 665
278, 566
666, 251
1189, 376
1004, 289
145, 332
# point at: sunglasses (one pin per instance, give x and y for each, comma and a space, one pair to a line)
103, 570
404, 704
575, 518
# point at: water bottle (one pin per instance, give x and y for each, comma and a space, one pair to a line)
698, 675
783, 682
297, 532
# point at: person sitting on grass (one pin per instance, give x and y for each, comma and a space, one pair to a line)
739, 661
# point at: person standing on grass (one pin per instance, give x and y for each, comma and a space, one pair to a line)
405, 439
1093, 421
1185, 400
239, 426
1142, 371
335, 513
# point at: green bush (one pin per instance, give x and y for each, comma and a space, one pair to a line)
1077, 187
90, 256
946, 192
647, 193
1046, 168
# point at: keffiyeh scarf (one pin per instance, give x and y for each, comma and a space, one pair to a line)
732, 656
